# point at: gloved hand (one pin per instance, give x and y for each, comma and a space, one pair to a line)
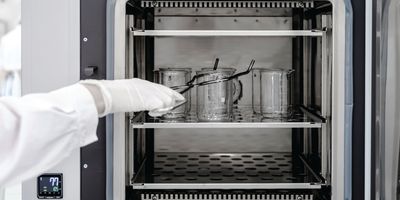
132, 95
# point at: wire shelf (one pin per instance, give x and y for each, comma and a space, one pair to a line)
226, 33
243, 117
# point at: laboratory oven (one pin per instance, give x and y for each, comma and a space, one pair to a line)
302, 48
247, 155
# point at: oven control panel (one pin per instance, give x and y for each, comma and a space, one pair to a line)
50, 186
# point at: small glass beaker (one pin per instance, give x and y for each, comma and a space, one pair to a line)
274, 92
256, 90
171, 77
215, 101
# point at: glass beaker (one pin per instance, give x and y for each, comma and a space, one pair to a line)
256, 90
171, 77
215, 101
275, 92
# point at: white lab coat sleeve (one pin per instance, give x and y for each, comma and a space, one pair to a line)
38, 131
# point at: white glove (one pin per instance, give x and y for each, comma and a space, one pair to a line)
132, 95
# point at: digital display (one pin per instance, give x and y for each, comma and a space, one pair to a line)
49, 186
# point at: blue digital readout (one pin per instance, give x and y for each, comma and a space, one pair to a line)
50, 186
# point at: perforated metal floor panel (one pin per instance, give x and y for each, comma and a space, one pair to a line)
224, 171
227, 168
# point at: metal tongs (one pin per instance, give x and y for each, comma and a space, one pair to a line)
190, 84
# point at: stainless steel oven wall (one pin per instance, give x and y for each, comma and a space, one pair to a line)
223, 140
235, 52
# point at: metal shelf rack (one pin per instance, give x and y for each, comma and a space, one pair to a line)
228, 33
243, 117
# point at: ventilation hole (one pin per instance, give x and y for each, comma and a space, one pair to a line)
179, 175
181, 161
283, 165
204, 162
279, 159
267, 156
183, 156
169, 165
227, 175
158, 168
215, 172
287, 172
191, 178
257, 159
250, 168
215, 165
287, 156
266, 179
238, 165
204, 175
252, 175
193, 159
180, 168
165, 179
204, 168
270, 161
192, 165
239, 172
241, 179
236, 159
273, 168
216, 179
167, 172
248, 162
226, 162
159, 161
263, 172
246, 156
215, 159
204, 156
261, 165
161, 156
191, 172
227, 168
172, 158
225, 156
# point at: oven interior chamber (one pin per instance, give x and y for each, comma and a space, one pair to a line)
249, 157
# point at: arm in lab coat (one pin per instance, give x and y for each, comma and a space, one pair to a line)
38, 131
